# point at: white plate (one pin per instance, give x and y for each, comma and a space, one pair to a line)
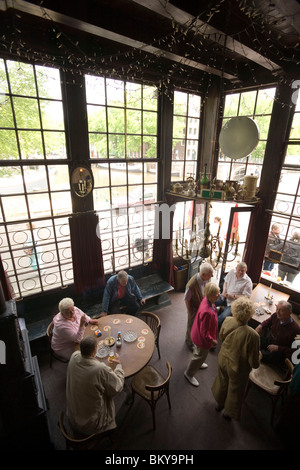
130, 336
103, 351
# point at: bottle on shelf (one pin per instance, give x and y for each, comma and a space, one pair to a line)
204, 181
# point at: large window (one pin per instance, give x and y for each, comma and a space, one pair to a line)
122, 125
286, 214
256, 104
34, 179
186, 131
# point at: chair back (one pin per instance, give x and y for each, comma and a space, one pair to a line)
158, 390
49, 331
84, 443
153, 321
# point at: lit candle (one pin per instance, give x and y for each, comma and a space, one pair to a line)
108, 329
270, 290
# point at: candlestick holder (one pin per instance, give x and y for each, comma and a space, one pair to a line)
109, 341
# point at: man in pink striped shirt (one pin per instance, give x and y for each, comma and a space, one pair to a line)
69, 325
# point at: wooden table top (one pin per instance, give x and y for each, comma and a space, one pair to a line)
261, 303
134, 355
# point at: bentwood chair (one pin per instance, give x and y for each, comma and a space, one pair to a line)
79, 442
151, 386
272, 381
154, 322
49, 334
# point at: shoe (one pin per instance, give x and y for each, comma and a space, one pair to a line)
226, 416
192, 380
219, 407
204, 366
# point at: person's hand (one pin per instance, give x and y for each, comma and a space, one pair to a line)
82, 321
258, 329
272, 347
117, 359
214, 342
143, 301
93, 322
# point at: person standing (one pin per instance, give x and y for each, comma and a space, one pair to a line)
291, 255
272, 244
91, 386
239, 354
204, 332
193, 296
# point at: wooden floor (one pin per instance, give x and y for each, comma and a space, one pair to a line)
192, 423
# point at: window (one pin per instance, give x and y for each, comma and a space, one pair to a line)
256, 104
122, 125
34, 180
186, 130
286, 213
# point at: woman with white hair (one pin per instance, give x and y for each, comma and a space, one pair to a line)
239, 354
69, 325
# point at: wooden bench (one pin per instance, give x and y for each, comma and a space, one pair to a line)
154, 287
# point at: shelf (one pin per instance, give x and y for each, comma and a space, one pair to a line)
185, 197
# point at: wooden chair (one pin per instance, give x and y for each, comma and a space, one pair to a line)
272, 381
151, 385
79, 442
52, 353
154, 322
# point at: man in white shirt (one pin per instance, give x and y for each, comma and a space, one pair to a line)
236, 284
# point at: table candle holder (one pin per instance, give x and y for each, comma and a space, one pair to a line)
109, 341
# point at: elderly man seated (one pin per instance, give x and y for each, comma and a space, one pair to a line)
91, 386
121, 292
277, 334
236, 284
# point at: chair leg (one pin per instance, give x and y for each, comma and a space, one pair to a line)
157, 345
168, 397
153, 414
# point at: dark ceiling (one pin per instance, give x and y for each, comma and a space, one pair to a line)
183, 43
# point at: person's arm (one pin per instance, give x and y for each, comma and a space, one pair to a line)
107, 297
135, 289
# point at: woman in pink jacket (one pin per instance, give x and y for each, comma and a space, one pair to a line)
204, 332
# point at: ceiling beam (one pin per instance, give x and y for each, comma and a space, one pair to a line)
47, 14
166, 9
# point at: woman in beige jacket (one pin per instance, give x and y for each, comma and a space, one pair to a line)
239, 353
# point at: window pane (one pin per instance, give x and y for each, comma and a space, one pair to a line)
55, 145
14, 208
31, 145
96, 118
95, 89
52, 115
21, 78
35, 178
9, 148
27, 113
48, 80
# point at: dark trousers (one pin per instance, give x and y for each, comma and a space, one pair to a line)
128, 304
268, 357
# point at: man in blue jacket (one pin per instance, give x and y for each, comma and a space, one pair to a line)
121, 294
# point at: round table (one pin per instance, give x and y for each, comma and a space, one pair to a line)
134, 355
